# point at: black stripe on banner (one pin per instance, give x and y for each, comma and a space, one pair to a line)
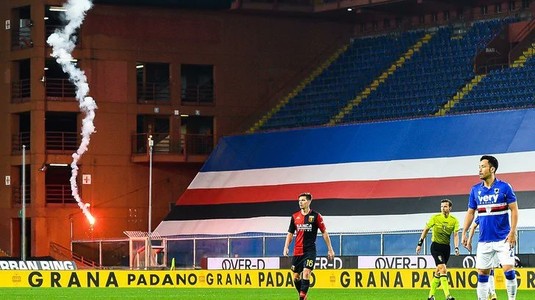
330, 207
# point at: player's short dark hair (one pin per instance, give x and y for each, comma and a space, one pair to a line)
306, 195
492, 161
446, 201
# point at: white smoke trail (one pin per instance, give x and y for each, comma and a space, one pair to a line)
63, 43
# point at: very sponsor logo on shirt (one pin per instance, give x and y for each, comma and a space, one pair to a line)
488, 198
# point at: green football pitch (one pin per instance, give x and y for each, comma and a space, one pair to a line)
235, 294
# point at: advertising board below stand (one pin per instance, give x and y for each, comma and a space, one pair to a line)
52, 265
346, 272
400, 262
369, 262
241, 263
322, 278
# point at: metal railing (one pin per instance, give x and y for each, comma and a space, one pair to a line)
61, 253
19, 140
186, 144
61, 141
59, 194
21, 91
17, 194
198, 94
21, 36
188, 251
153, 92
55, 89
108, 253
199, 144
59, 89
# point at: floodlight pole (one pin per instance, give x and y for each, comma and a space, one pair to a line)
149, 243
23, 202
72, 229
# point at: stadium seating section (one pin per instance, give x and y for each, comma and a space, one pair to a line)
418, 86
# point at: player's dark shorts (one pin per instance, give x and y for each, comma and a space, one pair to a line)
440, 252
306, 260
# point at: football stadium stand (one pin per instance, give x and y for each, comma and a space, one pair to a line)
406, 75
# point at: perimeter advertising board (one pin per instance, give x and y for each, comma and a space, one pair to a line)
326, 278
396, 262
369, 262
52, 265
242, 263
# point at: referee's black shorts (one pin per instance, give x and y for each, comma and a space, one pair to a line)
307, 260
440, 253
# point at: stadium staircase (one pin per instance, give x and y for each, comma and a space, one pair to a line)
512, 87
298, 89
460, 95
525, 37
527, 54
59, 252
381, 79
433, 75
350, 73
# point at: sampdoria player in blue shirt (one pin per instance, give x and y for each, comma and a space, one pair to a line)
493, 199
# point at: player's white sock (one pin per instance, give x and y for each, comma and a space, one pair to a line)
510, 284
482, 287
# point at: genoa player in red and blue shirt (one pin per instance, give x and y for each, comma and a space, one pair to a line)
305, 224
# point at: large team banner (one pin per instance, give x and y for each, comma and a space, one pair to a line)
370, 177
331, 278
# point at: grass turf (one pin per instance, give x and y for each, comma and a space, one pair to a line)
233, 294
